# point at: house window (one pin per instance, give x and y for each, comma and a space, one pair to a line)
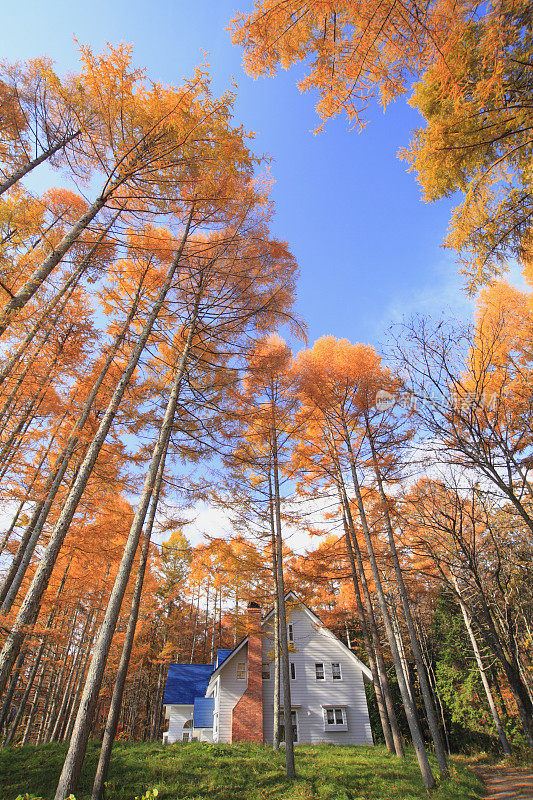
291, 634
335, 718
336, 671
265, 670
187, 731
241, 671
293, 670
294, 723
319, 672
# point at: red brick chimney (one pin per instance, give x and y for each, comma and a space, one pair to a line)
247, 717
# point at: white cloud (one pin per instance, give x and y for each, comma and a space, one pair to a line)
443, 294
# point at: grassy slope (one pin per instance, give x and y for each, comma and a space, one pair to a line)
239, 772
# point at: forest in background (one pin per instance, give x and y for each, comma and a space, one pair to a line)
144, 300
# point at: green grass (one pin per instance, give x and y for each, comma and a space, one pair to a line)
198, 771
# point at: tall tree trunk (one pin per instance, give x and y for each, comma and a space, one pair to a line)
30, 606
284, 645
24, 699
8, 697
382, 669
28, 491
17, 568
492, 705
60, 689
409, 707
73, 762
61, 714
433, 684
120, 681
34, 162
383, 716
275, 732
34, 705
431, 713
33, 284
67, 288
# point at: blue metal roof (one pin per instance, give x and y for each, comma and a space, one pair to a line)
222, 656
203, 712
186, 682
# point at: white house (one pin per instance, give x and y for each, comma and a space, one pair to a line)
233, 699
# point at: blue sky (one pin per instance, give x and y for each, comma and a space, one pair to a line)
369, 249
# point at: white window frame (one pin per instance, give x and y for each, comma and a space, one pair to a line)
293, 670
320, 664
335, 726
333, 676
187, 731
290, 633
265, 670
237, 671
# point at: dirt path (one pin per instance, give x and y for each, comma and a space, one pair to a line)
505, 783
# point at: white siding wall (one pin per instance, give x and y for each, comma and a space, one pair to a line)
230, 690
177, 717
312, 644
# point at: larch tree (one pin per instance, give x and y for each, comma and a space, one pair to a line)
474, 67
338, 378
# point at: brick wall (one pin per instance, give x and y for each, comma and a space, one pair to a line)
247, 716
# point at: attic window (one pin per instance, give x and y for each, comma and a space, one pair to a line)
291, 634
336, 671
265, 670
319, 672
241, 671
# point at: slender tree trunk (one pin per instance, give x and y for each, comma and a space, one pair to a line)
383, 716
206, 620
33, 284
410, 708
492, 705
382, 669
73, 762
431, 713
401, 647
195, 626
34, 162
213, 628
22, 706
68, 287
27, 493
156, 723
61, 714
19, 565
60, 689
284, 645
118, 690
34, 704
275, 732
30, 605
8, 697
433, 684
